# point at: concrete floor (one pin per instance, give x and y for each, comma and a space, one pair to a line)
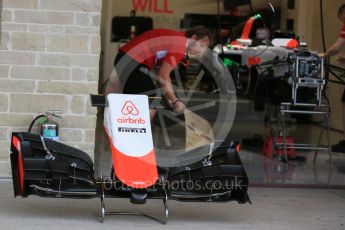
263, 171
271, 209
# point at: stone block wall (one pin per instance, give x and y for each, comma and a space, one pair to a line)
49, 59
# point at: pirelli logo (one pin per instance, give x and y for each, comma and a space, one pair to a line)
131, 130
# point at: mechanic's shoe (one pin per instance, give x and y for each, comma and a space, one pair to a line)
340, 147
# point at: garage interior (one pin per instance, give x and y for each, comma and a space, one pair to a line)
256, 118
283, 126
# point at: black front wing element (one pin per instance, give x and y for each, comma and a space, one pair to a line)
48, 168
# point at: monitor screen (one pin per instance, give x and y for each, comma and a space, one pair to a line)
228, 4
121, 26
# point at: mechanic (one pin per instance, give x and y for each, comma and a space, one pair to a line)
164, 48
332, 51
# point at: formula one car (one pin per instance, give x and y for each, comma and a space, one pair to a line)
48, 168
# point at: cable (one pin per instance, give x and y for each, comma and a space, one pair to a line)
271, 7
220, 27
322, 27
327, 61
274, 15
272, 28
33, 122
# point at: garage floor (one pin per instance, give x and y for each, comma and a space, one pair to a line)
271, 209
268, 172
299, 195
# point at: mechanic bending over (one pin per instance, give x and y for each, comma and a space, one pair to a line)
158, 47
333, 50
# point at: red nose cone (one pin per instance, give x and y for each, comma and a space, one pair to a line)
292, 44
238, 148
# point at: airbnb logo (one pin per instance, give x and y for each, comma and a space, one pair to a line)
129, 108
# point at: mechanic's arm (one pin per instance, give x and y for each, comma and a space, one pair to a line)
335, 48
167, 88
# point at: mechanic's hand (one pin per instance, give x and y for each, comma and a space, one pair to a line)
179, 107
341, 59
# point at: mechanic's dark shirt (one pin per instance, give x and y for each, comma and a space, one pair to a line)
155, 46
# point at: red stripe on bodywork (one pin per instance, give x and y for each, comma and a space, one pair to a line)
17, 145
248, 28
292, 44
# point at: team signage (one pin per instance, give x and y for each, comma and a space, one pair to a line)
152, 6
